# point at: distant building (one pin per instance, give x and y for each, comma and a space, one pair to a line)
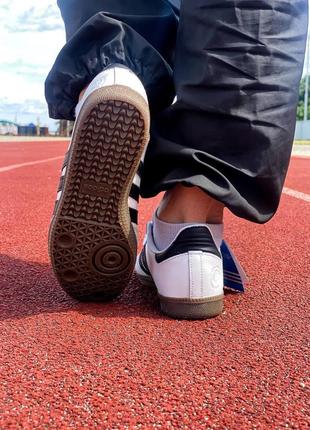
11, 128
44, 131
32, 130
27, 130
8, 128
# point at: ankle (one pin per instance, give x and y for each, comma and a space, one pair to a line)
190, 205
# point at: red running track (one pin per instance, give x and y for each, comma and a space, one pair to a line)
123, 365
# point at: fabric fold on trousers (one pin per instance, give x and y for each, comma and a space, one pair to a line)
237, 72
235, 66
108, 36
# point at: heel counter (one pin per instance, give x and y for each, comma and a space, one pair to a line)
205, 275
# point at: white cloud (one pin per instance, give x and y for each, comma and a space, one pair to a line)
36, 19
31, 34
28, 106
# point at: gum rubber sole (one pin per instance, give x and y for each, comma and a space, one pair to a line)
189, 309
92, 244
192, 309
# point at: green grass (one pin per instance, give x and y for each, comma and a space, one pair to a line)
301, 142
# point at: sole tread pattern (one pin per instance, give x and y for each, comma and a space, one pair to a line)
92, 254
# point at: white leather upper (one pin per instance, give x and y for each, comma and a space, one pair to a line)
205, 274
113, 75
191, 275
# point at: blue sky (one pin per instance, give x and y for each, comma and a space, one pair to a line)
31, 34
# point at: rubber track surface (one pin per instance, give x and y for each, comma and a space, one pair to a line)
124, 365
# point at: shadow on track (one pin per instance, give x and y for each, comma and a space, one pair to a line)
30, 288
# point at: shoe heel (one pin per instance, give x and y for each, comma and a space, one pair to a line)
91, 242
192, 309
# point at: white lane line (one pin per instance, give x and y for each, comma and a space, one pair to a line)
297, 194
287, 191
30, 163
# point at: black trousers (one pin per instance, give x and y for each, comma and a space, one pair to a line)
235, 66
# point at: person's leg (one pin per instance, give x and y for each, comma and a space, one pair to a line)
111, 44
190, 204
138, 34
226, 141
230, 133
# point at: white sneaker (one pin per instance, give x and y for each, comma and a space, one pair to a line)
92, 238
188, 274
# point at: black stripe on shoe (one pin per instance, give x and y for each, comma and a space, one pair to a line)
140, 168
135, 192
133, 215
143, 262
61, 183
191, 239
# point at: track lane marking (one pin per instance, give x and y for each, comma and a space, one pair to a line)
30, 163
288, 191
297, 194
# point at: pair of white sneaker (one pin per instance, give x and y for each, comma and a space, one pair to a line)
92, 240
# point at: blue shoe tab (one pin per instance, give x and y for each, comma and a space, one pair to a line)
234, 276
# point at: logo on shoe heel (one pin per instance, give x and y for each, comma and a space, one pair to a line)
95, 189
